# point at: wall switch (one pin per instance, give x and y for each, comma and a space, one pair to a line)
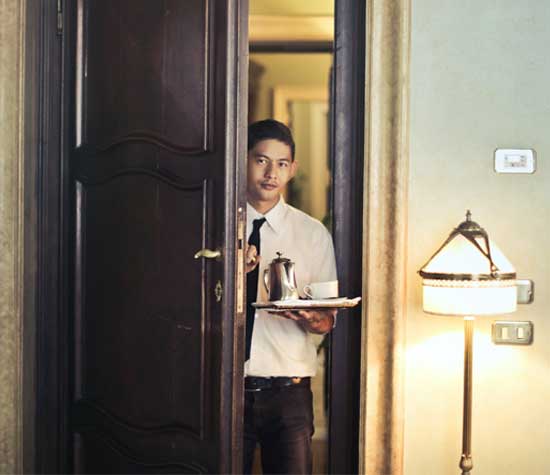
515, 160
512, 333
526, 291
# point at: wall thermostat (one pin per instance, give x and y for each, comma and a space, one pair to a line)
508, 160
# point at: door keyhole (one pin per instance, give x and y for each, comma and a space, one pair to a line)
218, 291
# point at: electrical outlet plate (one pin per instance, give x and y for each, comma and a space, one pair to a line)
508, 332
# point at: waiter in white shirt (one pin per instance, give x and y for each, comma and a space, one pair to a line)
281, 350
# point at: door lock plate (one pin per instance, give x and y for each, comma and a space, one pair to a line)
218, 291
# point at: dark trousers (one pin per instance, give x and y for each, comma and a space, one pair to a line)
281, 421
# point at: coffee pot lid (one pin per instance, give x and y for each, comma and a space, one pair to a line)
280, 259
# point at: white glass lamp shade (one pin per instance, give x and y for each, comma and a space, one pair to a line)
483, 298
463, 278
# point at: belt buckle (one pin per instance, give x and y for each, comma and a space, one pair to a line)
256, 387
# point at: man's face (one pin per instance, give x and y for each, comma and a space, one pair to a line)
270, 168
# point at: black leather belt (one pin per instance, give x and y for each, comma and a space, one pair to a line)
255, 383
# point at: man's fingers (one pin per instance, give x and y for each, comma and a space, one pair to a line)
252, 255
289, 315
333, 312
296, 315
304, 315
251, 252
252, 258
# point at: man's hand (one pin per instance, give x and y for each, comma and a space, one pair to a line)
318, 321
252, 258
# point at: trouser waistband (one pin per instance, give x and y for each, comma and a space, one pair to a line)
255, 383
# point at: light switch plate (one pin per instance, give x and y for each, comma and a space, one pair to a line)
508, 160
526, 291
508, 332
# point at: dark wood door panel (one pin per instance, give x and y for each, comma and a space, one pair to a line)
143, 70
103, 438
134, 336
102, 455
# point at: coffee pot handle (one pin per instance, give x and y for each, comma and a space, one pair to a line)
266, 280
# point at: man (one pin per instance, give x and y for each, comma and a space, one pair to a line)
281, 350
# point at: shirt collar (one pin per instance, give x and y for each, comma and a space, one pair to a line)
274, 217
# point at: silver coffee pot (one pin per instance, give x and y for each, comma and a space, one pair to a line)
280, 279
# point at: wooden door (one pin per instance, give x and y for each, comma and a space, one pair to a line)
154, 164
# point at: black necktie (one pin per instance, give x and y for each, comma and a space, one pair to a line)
252, 285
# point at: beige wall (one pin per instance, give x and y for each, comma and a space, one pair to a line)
480, 80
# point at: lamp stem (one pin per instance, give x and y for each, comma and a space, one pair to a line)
466, 463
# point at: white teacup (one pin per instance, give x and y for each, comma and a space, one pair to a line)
322, 290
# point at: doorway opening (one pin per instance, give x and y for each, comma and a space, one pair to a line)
289, 80
302, 76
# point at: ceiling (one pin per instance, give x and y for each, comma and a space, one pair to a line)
291, 7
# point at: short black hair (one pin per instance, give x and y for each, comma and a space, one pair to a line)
270, 129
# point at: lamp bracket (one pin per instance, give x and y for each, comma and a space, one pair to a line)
468, 277
471, 230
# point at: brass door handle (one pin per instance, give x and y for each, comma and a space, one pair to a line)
208, 254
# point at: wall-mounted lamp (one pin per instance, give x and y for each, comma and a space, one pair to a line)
468, 276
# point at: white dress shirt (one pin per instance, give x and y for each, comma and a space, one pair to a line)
281, 347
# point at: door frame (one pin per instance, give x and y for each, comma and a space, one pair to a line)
48, 430
44, 396
348, 122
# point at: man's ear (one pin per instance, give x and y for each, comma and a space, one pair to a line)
293, 168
